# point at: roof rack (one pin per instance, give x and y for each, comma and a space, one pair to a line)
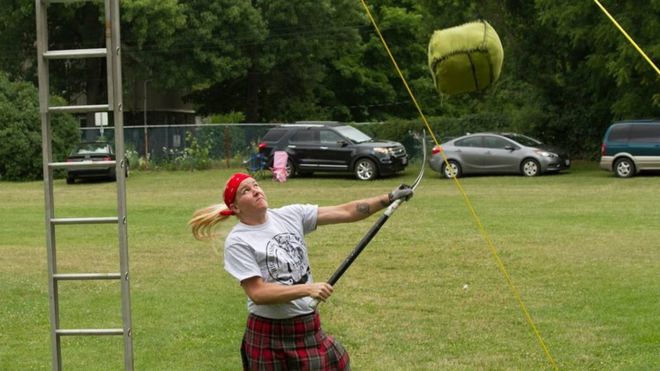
317, 123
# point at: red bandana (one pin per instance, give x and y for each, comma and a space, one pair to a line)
230, 191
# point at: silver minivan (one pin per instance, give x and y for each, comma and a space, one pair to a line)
630, 147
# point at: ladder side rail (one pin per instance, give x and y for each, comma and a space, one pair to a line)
112, 17
47, 155
109, 55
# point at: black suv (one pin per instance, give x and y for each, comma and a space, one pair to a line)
334, 147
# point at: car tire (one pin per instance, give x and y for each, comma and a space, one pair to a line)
530, 167
70, 180
624, 168
454, 170
365, 169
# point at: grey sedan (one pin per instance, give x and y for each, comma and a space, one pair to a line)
496, 153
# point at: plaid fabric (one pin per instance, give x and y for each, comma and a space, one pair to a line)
291, 344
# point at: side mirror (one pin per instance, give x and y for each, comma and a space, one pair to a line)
510, 148
342, 143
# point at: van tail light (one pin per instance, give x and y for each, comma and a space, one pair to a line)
261, 146
107, 158
603, 149
436, 150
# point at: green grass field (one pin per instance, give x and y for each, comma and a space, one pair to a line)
583, 249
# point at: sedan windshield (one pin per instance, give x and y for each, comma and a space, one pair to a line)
524, 140
353, 134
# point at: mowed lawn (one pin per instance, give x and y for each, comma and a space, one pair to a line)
582, 248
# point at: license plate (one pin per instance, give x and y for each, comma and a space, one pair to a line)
568, 162
404, 160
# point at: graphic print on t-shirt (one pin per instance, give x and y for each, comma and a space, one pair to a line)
285, 259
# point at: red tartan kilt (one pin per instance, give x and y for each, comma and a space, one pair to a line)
291, 344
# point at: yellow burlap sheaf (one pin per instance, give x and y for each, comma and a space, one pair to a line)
465, 58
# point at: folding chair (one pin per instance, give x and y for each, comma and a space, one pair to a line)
280, 159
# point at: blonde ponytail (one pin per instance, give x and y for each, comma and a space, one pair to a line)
204, 220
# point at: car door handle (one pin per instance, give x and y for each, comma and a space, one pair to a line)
291, 146
322, 147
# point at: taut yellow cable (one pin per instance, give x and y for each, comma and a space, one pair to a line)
628, 37
468, 203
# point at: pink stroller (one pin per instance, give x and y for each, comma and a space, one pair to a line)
279, 166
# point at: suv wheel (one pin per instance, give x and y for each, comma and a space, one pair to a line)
365, 169
624, 168
530, 167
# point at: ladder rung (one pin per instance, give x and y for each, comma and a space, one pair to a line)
85, 108
86, 276
66, 1
103, 220
76, 53
82, 164
87, 332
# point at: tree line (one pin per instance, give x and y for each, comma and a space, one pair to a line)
567, 74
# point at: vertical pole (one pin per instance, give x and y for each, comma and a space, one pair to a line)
227, 146
47, 156
146, 134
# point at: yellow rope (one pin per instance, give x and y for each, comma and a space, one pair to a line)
468, 203
628, 37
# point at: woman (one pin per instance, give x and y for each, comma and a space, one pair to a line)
266, 252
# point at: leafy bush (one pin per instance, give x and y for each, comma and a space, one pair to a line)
195, 156
20, 132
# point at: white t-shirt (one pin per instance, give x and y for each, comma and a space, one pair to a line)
275, 251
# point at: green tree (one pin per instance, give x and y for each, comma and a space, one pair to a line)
196, 43
289, 64
402, 28
567, 73
80, 26
17, 37
601, 59
20, 132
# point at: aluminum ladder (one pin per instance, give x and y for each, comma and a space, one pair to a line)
112, 53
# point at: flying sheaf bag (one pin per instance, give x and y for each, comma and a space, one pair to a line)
465, 58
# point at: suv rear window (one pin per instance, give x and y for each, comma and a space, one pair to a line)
275, 134
305, 136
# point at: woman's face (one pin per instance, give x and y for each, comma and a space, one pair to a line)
250, 198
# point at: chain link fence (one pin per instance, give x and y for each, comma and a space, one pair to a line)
204, 144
